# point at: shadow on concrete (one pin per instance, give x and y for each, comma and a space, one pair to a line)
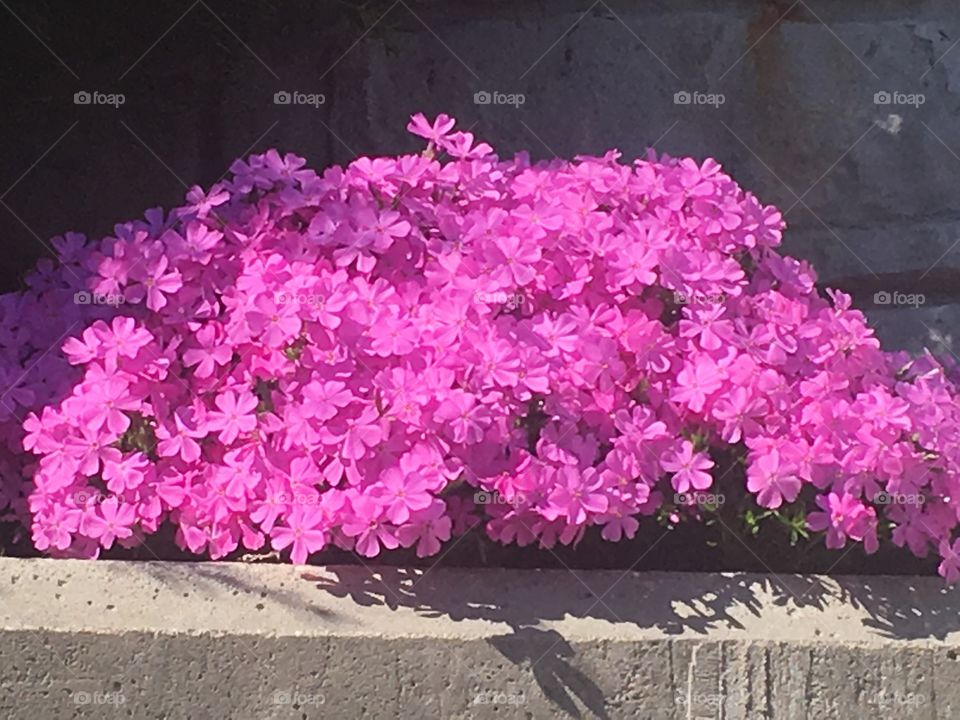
673, 603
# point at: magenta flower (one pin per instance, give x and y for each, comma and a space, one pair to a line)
699, 379
739, 412
233, 416
950, 562
401, 495
212, 351
323, 400
429, 529
108, 521
303, 533
275, 323
400, 349
773, 480
155, 283
632, 266
360, 433
689, 468
434, 132
55, 529
108, 403
577, 493
463, 417
839, 517
122, 339
514, 260
368, 528
182, 440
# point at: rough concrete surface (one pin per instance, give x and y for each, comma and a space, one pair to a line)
170, 640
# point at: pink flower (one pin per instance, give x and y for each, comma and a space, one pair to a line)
429, 529
699, 379
234, 415
122, 339
738, 412
155, 283
108, 401
125, 473
302, 533
577, 494
348, 355
950, 564
435, 132
360, 433
274, 323
400, 495
689, 468
368, 529
90, 448
773, 480
464, 419
840, 517
514, 261
632, 266
54, 529
323, 400
212, 351
108, 521
182, 441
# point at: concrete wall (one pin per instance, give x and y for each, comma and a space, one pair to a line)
167, 640
870, 188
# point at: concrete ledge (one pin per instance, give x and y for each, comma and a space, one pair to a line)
170, 640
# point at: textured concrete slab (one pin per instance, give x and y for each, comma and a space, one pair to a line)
171, 640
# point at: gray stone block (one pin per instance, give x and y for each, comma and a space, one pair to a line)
199, 640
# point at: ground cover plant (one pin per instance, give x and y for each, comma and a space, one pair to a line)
388, 354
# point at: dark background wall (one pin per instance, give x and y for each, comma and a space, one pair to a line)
870, 188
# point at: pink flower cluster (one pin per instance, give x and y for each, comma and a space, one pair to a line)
388, 354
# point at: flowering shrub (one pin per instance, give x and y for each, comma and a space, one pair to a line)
387, 354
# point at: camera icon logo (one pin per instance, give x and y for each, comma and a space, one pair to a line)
82, 97
81, 297
482, 98
881, 298
882, 98
682, 97
282, 97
